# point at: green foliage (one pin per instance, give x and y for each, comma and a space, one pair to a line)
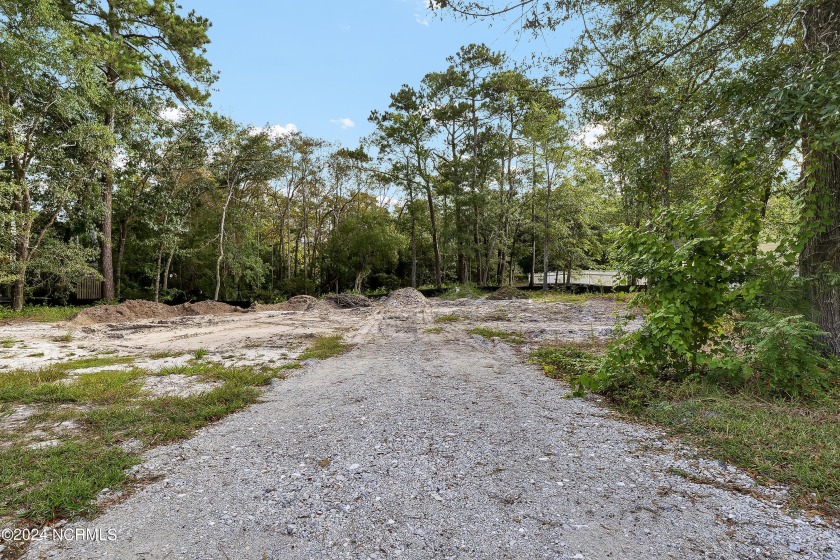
781, 356
361, 244
40, 313
693, 265
571, 363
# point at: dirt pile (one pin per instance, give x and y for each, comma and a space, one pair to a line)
139, 310
296, 303
207, 308
348, 301
406, 297
507, 292
131, 310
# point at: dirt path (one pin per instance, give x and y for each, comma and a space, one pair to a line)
416, 445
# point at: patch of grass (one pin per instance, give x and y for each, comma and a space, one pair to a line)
292, 365
66, 337
199, 353
40, 313
164, 355
506, 336
793, 443
569, 361
39, 485
8, 342
43, 484
35, 355
23, 386
496, 315
94, 361
448, 319
433, 330
324, 347
560, 296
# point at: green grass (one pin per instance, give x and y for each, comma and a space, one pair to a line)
559, 296
40, 313
8, 342
506, 336
39, 485
448, 319
199, 353
292, 365
163, 355
66, 337
324, 347
793, 443
93, 362
569, 361
433, 330
462, 291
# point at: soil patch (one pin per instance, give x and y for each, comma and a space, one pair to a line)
131, 310
507, 292
207, 308
348, 301
296, 303
139, 310
406, 297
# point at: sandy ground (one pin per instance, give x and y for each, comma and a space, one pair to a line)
420, 445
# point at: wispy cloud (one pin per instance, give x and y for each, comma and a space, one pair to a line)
344, 123
422, 11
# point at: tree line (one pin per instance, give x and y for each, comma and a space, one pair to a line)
115, 168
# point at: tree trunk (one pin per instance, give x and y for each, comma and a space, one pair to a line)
221, 256
22, 253
820, 258
546, 221
120, 254
166, 269
157, 272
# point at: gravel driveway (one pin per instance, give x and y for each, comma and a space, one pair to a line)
417, 445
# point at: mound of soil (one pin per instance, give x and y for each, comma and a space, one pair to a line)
348, 301
296, 303
206, 308
507, 292
131, 310
406, 297
139, 310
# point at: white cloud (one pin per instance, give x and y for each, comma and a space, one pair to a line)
591, 135
344, 123
278, 131
173, 114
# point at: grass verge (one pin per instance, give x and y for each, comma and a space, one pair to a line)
71, 445
793, 443
40, 313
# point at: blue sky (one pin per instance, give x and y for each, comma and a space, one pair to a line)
323, 65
